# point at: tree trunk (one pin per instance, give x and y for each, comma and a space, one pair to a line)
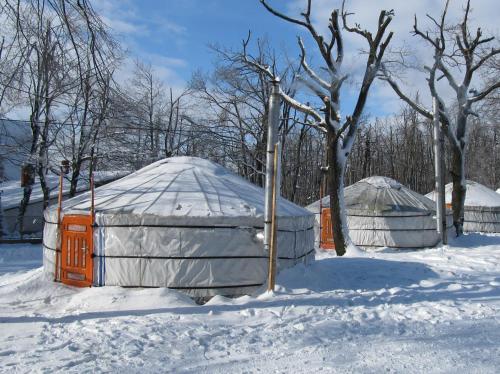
335, 177
23, 207
75, 176
43, 185
459, 188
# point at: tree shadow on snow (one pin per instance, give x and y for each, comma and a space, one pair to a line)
353, 273
332, 282
475, 240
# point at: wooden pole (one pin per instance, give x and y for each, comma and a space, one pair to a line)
273, 251
59, 233
272, 135
320, 211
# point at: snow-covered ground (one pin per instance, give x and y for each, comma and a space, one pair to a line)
436, 310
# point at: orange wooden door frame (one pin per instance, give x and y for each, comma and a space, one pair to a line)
326, 230
76, 250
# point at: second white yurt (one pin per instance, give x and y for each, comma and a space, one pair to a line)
183, 223
383, 213
482, 207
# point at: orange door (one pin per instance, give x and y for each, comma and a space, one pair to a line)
76, 251
326, 230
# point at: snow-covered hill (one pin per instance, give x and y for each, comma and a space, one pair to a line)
435, 310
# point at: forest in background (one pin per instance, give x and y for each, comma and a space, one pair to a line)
59, 67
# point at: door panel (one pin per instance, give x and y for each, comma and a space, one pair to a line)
326, 230
76, 251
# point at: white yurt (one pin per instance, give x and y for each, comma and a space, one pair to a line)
381, 212
482, 207
183, 223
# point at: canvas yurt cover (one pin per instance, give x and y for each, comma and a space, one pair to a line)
183, 223
383, 213
482, 207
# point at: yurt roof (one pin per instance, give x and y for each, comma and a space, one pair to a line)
477, 195
185, 190
380, 196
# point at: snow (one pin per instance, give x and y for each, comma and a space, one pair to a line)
435, 310
477, 195
498, 191
13, 192
382, 182
178, 189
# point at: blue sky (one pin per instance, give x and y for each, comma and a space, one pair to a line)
173, 35
179, 32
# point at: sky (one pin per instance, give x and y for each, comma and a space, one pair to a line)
174, 35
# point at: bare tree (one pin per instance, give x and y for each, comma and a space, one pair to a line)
458, 55
340, 132
57, 52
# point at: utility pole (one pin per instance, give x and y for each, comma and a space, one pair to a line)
272, 183
439, 174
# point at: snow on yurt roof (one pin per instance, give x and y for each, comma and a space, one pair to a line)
12, 192
477, 195
180, 190
380, 195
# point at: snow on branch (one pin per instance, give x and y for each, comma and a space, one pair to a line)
308, 69
320, 122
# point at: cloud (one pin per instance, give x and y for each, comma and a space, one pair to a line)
138, 35
366, 14
123, 27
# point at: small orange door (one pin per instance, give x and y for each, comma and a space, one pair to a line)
326, 230
76, 250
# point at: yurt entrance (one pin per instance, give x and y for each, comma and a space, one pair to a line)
76, 250
326, 234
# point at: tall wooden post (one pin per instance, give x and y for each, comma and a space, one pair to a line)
273, 251
59, 233
439, 174
272, 135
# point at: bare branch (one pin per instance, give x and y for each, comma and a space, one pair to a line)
286, 18
448, 75
356, 29
485, 92
265, 69
485, 58
308, 70
303, 108
323, 47
413, 104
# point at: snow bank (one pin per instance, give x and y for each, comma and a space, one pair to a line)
434, 310
19, 256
